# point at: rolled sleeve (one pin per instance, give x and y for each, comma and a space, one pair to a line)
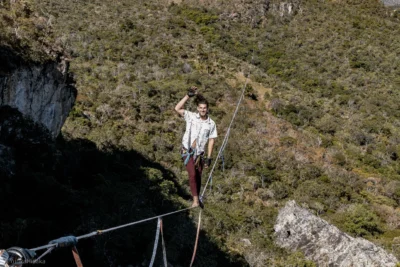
187, 115
213, 132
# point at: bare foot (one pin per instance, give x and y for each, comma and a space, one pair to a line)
195, 202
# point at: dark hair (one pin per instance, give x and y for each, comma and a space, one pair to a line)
200, 100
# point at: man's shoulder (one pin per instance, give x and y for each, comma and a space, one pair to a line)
212, 122
213, 128
188, 113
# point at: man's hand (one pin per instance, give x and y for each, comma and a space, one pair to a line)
192, 91
207, 162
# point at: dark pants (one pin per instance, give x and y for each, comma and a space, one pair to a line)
194, 175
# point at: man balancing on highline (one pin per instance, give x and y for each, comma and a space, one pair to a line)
200, 128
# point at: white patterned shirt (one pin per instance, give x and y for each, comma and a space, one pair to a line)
200, 130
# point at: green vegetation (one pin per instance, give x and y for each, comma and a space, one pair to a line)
318, 124
27, 33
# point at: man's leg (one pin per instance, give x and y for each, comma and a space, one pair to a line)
192, 182
199, 171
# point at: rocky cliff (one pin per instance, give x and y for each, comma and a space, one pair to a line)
298, 229
42, 92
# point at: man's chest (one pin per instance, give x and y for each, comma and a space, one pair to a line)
200, 128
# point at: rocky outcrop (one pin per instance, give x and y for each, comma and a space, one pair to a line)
298, 229
40, 91
253, 12
285, 8
391, 2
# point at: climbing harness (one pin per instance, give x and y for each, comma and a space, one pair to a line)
188, 153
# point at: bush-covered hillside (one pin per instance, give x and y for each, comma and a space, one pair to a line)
319, 123
27, 32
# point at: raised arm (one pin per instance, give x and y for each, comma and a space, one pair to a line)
179, 107
181, 104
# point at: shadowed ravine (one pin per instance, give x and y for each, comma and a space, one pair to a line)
69, 187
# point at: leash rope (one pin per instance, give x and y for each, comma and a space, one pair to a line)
155, 243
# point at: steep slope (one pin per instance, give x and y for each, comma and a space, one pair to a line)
319, 123
51, 187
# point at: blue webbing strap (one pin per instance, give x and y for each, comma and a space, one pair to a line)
188, 154
65, 241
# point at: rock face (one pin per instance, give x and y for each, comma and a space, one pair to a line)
251, 11
298, 229
285, 7
42, 92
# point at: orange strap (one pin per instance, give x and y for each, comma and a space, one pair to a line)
197, 239
163, 245
76, 257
